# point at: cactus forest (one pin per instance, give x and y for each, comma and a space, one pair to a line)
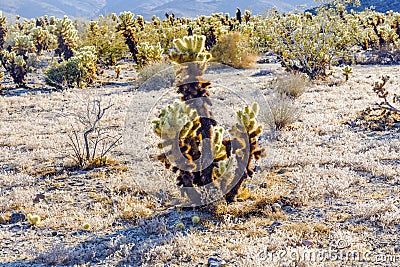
218, 140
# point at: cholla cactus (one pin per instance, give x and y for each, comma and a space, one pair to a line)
247, 15
23, 45
110, 45
191, 50
16, 66
15, 61
193, 145
3, 31
42, 39
67, 37
347, 70
127, 27
148, 53
387, 35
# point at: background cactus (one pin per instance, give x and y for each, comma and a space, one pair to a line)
127, 27
16, 66
67, 38
148, 54
110, 46
3, 30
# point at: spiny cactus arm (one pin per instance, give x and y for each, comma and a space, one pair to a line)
218, 147
3, 31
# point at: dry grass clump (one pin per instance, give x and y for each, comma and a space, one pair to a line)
256, 200
155, 76
306, 229
292, 85
385, 214
283, 112
233, 49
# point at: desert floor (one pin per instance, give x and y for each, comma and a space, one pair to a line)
332, 196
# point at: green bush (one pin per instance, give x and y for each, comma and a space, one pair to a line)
78, 71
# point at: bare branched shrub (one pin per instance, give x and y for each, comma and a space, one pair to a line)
292, 85
91, 143
384, 114
233, 49
283, 112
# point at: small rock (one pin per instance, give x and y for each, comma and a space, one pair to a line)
15, 228
287, 209
276, 207
281, 171
38, 198
307, 243
319, 213
17, 217
215, 262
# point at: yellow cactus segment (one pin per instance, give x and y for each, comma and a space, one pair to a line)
195, 219
190, 49
224, 169
199, 43
33, 219
180, 45
219, 149
248, 116
178, 118
86, 226
180, 225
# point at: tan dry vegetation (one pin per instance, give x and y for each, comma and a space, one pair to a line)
328, 184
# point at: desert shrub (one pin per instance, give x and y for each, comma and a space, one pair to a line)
110, 46
283, 112
233, 49
384, 114
78, 71
292, 85
155, 76
90, 141
309, 43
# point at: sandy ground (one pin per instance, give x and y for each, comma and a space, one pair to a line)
337, 186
